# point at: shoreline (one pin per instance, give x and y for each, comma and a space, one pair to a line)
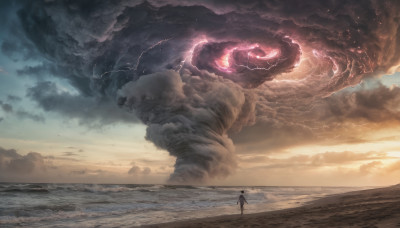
378, 207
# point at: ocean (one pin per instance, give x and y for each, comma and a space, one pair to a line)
127, 205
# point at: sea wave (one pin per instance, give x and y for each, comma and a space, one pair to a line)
25, 188
80, 205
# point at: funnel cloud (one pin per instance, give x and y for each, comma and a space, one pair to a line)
205, 75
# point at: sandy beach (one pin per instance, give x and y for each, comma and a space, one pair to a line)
369, 208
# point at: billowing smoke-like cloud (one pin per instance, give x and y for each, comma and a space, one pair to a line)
197, 72
189, 117
13, 163
137, 170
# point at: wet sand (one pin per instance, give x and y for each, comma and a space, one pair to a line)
369, 208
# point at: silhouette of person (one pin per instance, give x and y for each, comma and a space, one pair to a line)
241, 200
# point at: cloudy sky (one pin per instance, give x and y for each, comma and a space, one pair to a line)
200, 92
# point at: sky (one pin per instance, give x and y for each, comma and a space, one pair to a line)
200, 92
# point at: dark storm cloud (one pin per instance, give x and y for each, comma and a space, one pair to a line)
13, 98
28, 115
18, 51
20, 113
298, 124
6, 107
87, 110
376, 104
14, 43
12, 162
272, 135
170, 64
38, 71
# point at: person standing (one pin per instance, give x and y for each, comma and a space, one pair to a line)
241, 200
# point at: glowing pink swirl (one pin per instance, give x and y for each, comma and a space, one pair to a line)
248, 64
254, 52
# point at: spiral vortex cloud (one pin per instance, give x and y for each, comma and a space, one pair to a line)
248, 64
